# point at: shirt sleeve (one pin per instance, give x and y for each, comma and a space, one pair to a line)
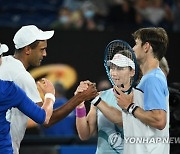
154, 94
28, 84
26, 105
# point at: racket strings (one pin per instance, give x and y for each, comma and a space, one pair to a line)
119, 47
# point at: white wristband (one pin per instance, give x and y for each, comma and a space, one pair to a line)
131, 108
50, 95
95, 100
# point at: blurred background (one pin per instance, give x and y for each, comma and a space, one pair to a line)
83, 28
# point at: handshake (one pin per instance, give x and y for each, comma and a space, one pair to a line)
87, 90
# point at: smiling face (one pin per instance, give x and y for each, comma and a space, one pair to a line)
38, 53
121, 75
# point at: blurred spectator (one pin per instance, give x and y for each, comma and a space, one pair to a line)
64, 19
65, 127
89, 12
121, 14
77, 20
154, 13
176, 16
73, 5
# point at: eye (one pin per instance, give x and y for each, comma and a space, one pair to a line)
121, 68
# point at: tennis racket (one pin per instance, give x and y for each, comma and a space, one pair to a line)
119, 54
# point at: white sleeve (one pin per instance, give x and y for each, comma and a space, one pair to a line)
28, 84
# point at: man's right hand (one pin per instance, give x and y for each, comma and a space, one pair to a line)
46, 86
87, 90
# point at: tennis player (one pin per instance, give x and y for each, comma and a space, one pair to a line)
105, 116
145, 114
11, 96
146, 124
31, 44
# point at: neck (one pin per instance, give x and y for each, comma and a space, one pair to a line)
126, 87
20, 57
149, 65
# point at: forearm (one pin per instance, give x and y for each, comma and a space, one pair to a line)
86, 125
153, 118
111, 113
83, 128
29, 108
48, 107
61, 112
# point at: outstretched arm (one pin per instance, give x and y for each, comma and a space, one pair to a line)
111, 113
28, 107
63, 111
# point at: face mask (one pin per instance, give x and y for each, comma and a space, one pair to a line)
64, 19
89, 14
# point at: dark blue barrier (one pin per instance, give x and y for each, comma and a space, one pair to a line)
77, 149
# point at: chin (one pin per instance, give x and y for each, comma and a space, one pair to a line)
38, 64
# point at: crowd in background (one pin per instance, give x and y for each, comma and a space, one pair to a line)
91, 14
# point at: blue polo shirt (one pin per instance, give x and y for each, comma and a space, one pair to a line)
12, 96
155, 88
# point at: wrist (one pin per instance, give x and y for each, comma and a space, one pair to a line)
80, 105
96, 100
131, 108
80, 112
80, 97
50, 96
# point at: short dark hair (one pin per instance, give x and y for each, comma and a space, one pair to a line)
156, 36
32, 46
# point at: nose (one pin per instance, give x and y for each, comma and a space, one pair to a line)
113, 71
44, 53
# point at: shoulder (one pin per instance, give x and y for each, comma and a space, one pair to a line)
11, 68
155, 77
7, 87
108, 91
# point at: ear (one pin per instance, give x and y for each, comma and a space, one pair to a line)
27, 50
146, 47
132, 72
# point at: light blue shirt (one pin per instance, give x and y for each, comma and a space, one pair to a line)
110, 136
154, 86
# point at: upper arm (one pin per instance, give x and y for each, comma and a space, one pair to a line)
26, 105
154, 95
32, 110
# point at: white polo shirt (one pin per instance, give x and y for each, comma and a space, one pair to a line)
13, 70
140, 138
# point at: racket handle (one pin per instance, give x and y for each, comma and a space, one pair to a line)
116, 91
122, 85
